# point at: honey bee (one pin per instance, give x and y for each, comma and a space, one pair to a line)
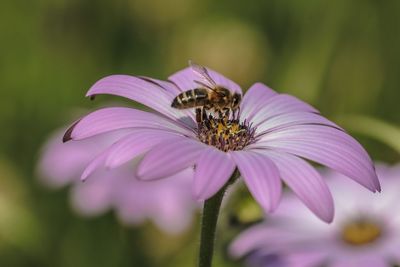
209, 96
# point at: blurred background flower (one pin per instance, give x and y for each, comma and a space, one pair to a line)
341, 56
365, 232
167, 202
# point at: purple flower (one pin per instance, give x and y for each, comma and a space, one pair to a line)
167, 202
365, 232
266, 143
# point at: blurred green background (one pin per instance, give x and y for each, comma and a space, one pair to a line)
341, 56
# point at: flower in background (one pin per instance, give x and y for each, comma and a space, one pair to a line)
365, 232
266, 143
167, 202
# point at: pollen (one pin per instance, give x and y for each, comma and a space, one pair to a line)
225, 134
361, 232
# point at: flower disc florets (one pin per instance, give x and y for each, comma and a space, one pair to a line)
361, 232
225, 133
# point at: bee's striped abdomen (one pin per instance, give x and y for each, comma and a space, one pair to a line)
189, 99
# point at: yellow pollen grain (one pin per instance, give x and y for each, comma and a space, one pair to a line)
235, 128
227, 131
361, 233
221, 128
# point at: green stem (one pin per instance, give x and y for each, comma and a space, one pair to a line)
209, 224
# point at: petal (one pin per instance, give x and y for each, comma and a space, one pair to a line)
249, 240
291, 119
62, 163
109, 119
279, 104
140, 90
327, 146
134, 144
261, 177
96, 163
175, 90
166, 85
307, 258
371, 260
185, 78
306, 183
131, 204
173, 215
257, 95
213, 170
94, 197
169, 157
259, 236
175, 206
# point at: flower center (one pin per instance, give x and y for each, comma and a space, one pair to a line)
361, 232
225, 134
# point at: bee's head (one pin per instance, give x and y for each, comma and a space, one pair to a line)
236, 100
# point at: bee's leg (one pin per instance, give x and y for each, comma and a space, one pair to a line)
204, 114
218, 111
235, 113
238, 112
210, 114
220, 114
226, 112
199, 115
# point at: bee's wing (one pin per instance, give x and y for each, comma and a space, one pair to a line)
203, 74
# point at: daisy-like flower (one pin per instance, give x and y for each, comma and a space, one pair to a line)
365, 232
166, 202
266, 141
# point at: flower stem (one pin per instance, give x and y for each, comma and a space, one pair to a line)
209, 224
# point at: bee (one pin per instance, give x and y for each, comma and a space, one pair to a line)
208, 96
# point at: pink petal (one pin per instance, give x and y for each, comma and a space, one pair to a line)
327, 146
167, 85
109, 119
260, 236
213, 170
291, 119
96, 163
135, 144
140, 90
173, 214
93, 197
250, 240
371, 260
175, 203
306, 182
307, 258
261, 177
168, 202
256, 97
169, 157
131, 203
185, 78
62, 163
277, 105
